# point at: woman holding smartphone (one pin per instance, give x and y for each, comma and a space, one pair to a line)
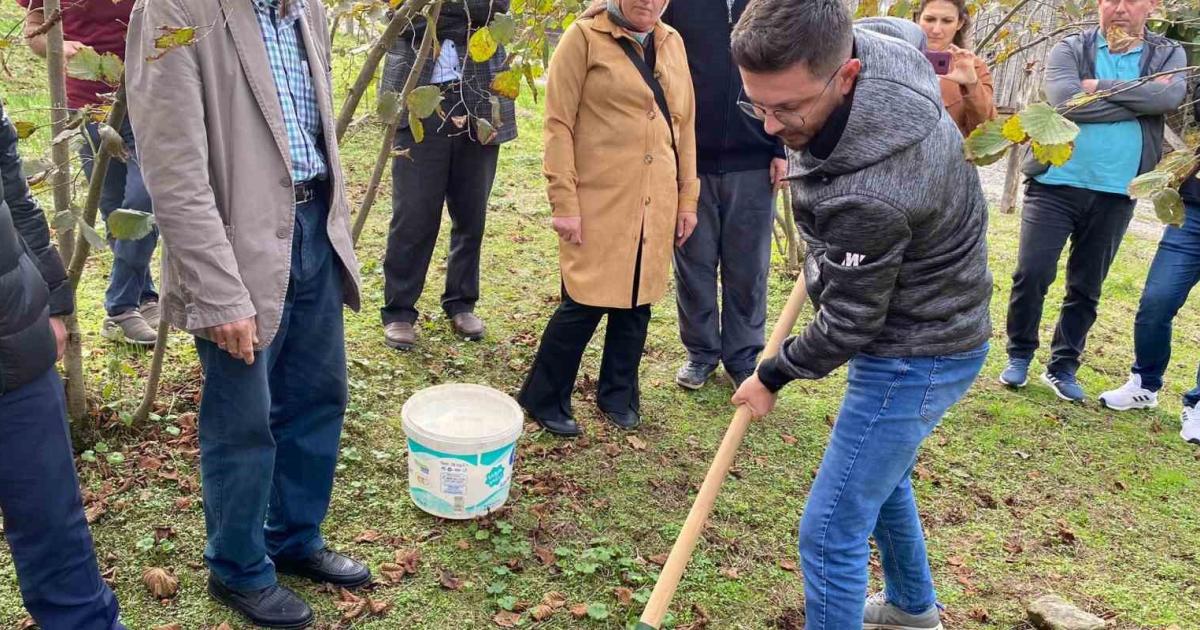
967, 90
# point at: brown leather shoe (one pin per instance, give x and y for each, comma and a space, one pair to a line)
468, 326
400, 335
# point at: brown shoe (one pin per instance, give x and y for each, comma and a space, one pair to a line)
468, 326
400, 335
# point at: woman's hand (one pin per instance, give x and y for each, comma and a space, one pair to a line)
685, 224
570, 229
962, 67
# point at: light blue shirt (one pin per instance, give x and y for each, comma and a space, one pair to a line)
1107, 155
288, 59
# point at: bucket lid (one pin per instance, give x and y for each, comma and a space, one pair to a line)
462, 414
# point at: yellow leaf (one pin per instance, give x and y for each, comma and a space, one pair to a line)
1055, 154
507, 84
417, 127
172, 37
1013, 130
482, 45
24, 128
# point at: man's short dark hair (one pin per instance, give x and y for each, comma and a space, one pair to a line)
774, 35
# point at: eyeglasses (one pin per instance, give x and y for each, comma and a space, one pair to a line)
787, 116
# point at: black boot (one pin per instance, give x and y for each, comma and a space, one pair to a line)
627, 420
326, 566
271, 607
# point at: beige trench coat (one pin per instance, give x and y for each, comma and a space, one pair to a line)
214, 153
609, 161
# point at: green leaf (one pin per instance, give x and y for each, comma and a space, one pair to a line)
101, 447
425, 100
507, 84
130, 225
64, 221
24, 128
1179, 164
416, 126
598, 611
89, 65
503, 28
987, 143
89, 234
1145, 185
1046, 126
389, 106
484, 131
482, 45
115, 458
495, 588
172, 37
145, 544
1055, 154
508, 602
88, 456
1168, 206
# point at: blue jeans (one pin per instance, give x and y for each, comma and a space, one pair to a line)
129, 283
43, 513
1175, 270
269, 432
864, 487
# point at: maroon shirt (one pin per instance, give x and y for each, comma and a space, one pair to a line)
100, 24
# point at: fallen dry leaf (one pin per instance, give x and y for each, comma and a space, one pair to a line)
408, 559
579, 611
730, 572
955, 561
161, 583
506, 619
612, 450
183, 503
636, 442
170, 626
368, 536
659, 559
545, 555
224, 626
624, 595
449, 582
788, 439
788, 565
463, 545
541, 612
554, 599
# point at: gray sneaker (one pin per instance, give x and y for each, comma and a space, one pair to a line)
149, 311
129, 327
693, 375
880, 615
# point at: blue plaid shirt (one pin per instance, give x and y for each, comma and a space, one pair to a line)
294, 84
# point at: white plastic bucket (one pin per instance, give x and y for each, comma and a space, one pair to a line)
462, 441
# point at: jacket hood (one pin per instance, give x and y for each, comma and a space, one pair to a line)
897, 103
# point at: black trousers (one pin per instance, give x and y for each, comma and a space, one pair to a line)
452, 170
1094, 223
546, 393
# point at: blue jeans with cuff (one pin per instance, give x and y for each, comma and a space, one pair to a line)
269, 432
863, 487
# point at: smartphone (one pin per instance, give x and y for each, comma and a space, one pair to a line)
940, 61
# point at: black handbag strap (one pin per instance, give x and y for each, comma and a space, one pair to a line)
660, 97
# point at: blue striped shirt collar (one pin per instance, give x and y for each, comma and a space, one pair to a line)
295, 8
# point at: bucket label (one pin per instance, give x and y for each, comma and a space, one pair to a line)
454, 477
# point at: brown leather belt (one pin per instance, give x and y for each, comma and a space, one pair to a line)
306, 191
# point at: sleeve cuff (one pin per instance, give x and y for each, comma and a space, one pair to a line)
780, 151
62, 303
772, 376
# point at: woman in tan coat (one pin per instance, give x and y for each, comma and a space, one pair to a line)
623, 191
967, 90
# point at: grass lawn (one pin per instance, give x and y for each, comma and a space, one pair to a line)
1021, 494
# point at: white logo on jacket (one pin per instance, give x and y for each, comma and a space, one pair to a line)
853, 260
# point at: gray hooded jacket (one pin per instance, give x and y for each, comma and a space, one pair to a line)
896, 225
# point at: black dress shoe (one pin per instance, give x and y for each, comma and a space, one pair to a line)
625, 420
272, 607
561, 428
326, 566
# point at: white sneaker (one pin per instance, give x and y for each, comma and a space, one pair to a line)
1191, 424
1131, 395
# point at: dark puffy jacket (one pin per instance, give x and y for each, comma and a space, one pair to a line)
1191, 188
727, 141
33, 283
